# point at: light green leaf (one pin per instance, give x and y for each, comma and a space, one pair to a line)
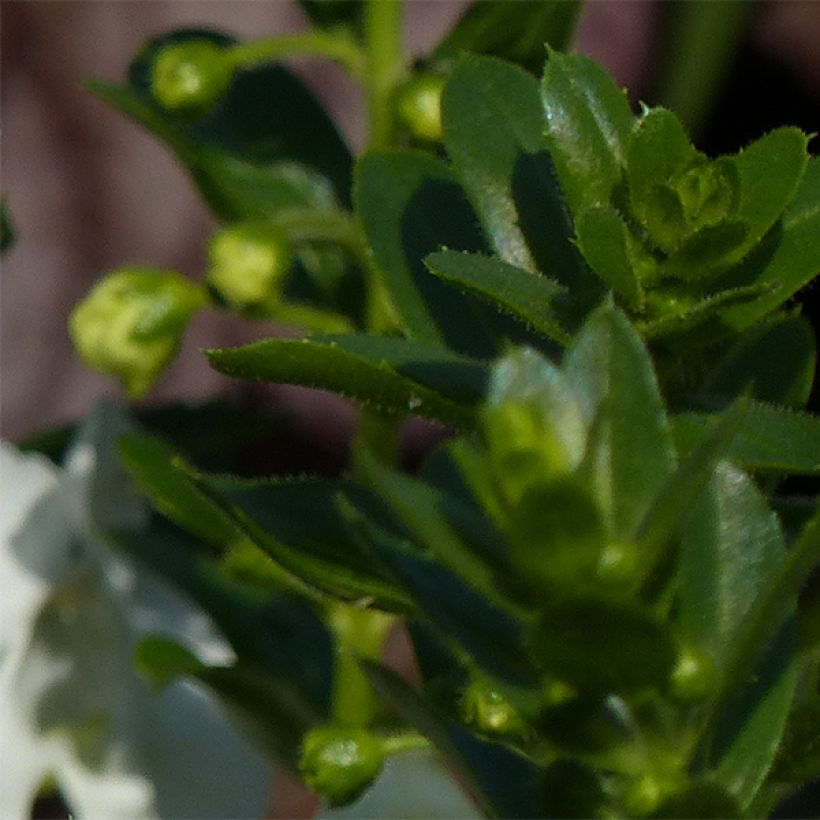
493, 131
536, 300
588, 127
768, 438
160, 660
630, 451
366, 370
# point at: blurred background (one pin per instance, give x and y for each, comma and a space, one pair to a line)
89, 191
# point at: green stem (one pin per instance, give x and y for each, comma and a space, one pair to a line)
337, 45
385, 67
360, 633
407, 742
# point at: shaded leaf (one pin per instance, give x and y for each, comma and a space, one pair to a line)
332, 13
493, 131
768, 438
410, 205
514, 32
503, 783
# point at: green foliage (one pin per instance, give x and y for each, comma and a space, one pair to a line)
604, 606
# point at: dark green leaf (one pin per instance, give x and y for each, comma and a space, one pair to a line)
700, 799
7, 235
536, 300
300, 524
588, 126
788, 257
630, 450
504, 783
603, 646
160, 474
333, 13
515, 32
410, 205
775, 360
493, 131
798, 758
767, 438
607, 246
365, 374
267, 144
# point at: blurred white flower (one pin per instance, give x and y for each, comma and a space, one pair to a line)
72, 709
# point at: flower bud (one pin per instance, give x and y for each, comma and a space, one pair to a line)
190, 77
130, 324
340, 762
693, 676
486, 709
248, 262
419, 106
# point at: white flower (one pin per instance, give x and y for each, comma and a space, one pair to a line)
71, 706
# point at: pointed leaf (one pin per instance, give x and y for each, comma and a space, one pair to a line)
493, 132
249, 157
536, 300
768, 438
630, 450
588, 126
605, 242
516, 33
788, 257
364, 373
410, 205
503, 782
775, 360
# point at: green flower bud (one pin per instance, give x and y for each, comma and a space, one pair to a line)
248, 263
130, 324
693, 676
190, 77
419, 106
643, 795
340, 762
486, 709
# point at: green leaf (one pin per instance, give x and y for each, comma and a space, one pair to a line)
769, 172
775, 360
537, 301
588, 126
798, 758
788, 257
675, 497
422, 511
266, 145
630, 451
301, 525
367, 370
730, 550
410, 205
603, 646
657, 149
516, 33
493, 131
160, 475
7, 235
609, 250
768, 438
503, 783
